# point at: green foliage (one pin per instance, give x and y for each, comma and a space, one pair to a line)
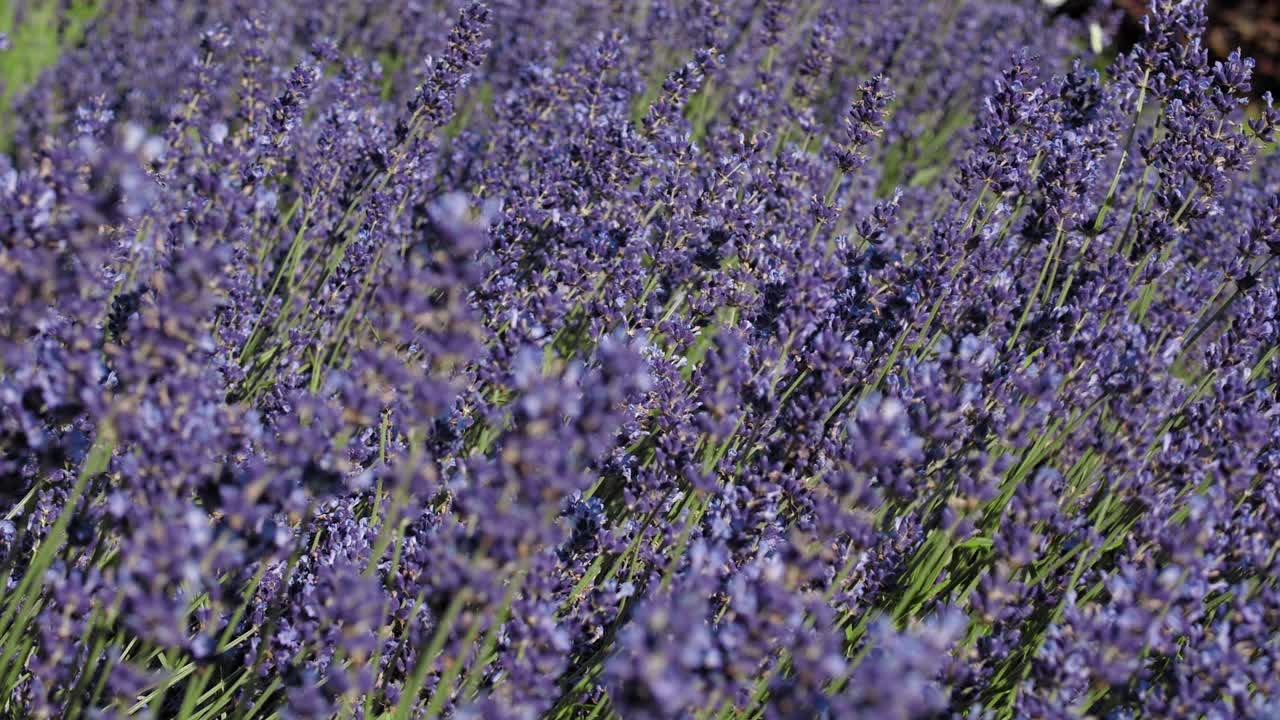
37, 36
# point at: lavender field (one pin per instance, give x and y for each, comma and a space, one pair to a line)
594, 359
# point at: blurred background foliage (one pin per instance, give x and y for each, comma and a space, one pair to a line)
32, 34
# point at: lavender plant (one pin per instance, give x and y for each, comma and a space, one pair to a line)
642, 360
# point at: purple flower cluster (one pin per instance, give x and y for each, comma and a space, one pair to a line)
663, 359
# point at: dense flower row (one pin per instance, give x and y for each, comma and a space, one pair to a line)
638, 359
